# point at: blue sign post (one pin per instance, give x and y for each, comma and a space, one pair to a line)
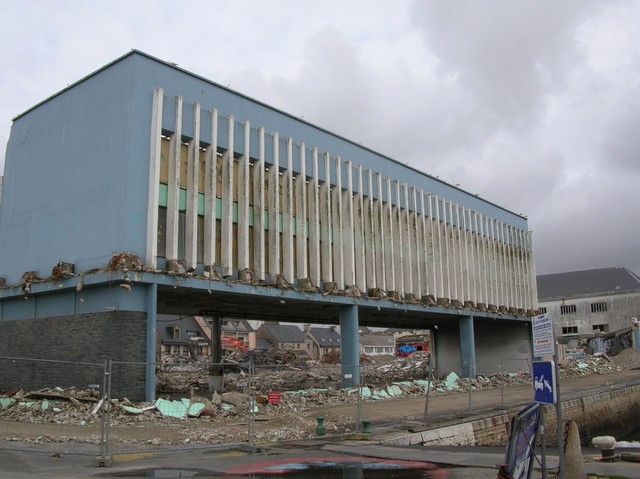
544, 382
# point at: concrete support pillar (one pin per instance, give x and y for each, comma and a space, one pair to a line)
216, 380
150, 373
349, 346
467, 347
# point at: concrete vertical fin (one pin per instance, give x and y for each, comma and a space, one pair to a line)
337, 212
301, 216
424, 264
399, 233
243, 198
173, 188
348, 228
274, 209
287, 214
191, 219
389, 240
210, 187
259, 266
325, 223
368, 225
155, 155
380, 235
415, 243
358, 234
460, 276
434, 235
407, 243
314, 222
226, 218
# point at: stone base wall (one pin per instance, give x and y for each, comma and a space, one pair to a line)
596, 415
70, 351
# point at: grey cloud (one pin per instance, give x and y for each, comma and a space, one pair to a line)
508, 53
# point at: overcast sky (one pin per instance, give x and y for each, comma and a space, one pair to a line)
532, 104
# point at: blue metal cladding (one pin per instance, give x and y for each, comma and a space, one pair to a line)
77, 165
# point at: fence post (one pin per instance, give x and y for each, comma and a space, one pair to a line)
426, 403
502, 381
252, 405
104, 460
359, 400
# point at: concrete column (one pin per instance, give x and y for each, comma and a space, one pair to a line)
216, 379
467, 347
349, 346
152, 300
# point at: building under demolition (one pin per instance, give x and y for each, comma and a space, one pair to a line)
144, 189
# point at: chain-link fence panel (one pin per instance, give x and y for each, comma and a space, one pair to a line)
48, 405
303, 401
395, 390
197, 404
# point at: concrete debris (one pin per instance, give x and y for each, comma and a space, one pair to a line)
62, 270
303, 385
125, 262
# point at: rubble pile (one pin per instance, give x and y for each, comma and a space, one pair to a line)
628, 359
300, 388
599, 363
261, 356
51, 406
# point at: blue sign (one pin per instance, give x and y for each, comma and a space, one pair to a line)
544, 382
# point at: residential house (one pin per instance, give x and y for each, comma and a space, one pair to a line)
323, 340
181, 336
239, 329
285, 337
177, 334
591, 302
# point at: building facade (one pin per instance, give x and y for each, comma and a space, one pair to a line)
147, 189
591, 302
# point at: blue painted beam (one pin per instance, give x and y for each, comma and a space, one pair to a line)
467, 347
349, 346
152, 302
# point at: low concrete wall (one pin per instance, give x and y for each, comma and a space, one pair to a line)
610, 413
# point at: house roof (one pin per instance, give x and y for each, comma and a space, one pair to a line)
589, 282
325, 337
284, 333
236, 325
166, 322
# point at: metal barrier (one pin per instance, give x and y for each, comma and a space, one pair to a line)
303, 400
102, 407
51, 405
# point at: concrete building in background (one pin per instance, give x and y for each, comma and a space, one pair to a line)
591, 302
144, 189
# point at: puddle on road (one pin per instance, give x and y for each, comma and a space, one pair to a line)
339, 468
163, 473
319, 468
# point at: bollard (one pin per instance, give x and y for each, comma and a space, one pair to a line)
607, 446
320, 427
573, 455
366, 424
